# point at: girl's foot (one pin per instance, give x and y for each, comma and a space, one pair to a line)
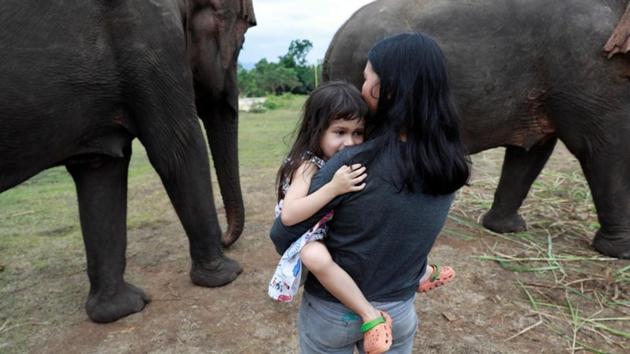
435, 276
377, 334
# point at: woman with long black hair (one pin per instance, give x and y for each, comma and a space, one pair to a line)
381, 236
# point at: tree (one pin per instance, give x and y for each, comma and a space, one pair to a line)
275, 78
296, 56
296, 59
247, 83
290, 74
266, 78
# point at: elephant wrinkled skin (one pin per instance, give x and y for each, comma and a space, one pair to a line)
80, 79
524, 73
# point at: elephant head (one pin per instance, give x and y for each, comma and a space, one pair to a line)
216, 31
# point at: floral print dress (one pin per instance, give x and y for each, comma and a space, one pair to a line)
287, 277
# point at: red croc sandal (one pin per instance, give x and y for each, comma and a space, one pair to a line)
377, 334
439, 276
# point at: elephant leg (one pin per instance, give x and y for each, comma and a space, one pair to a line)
221, 123
161, 101
185, 173
102, 194
608, 173
171, 133
520, 169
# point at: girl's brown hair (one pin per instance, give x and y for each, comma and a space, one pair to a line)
331, 101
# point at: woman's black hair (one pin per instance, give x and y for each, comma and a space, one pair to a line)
415, 103
330, 101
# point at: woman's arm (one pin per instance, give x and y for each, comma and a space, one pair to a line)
282, 236
299, 205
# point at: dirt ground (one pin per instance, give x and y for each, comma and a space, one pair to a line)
482, 311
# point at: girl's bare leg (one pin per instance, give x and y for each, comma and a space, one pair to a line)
317, 260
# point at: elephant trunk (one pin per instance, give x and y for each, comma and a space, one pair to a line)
220, 118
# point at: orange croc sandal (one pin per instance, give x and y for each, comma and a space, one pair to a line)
377, 334
439, 276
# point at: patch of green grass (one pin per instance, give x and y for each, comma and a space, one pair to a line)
46, 204
265, 138
283, 101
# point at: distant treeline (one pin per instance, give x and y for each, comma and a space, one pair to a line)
290, 74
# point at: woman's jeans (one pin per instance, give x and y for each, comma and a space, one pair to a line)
331, 328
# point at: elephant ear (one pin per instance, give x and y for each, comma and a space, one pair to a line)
232, 28
247, 12
225, 22
619, 41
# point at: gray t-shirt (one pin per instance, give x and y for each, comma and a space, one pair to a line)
380, 236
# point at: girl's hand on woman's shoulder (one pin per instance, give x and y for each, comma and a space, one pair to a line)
349, 179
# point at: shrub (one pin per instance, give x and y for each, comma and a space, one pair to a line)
279, 101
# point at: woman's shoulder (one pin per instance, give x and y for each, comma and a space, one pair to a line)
363, 154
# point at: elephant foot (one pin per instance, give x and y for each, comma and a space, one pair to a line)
612, 245
215, 273
503, 224
104, 307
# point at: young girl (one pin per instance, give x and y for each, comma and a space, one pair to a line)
382, 235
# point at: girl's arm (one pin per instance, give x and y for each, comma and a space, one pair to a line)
299, 205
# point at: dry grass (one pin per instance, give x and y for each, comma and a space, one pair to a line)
570, 289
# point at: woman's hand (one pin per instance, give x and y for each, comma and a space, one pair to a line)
348, 179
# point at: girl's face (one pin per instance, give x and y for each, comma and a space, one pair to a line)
341, 133
371, 87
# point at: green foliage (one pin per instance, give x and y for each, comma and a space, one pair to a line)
266, 78
284, 100
296, 56
247, 83
290, 74
275, 78
271, 103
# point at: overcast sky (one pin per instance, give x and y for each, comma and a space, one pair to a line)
281, 21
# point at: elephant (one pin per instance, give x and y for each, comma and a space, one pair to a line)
80, 79
524, 73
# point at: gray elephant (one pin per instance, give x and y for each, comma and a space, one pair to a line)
80, 79
524, 74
